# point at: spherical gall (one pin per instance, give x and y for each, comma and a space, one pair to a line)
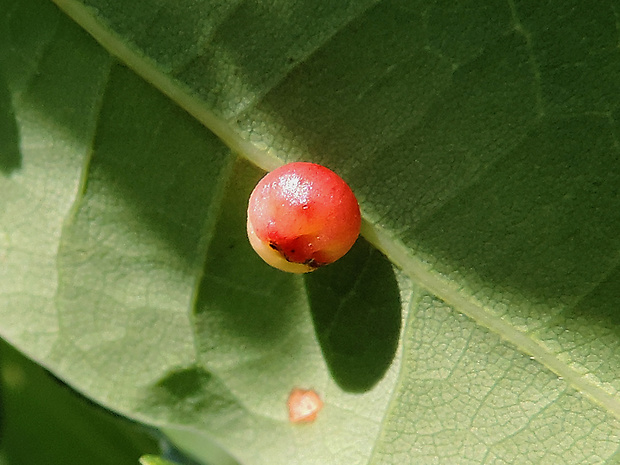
303, 405
302, 216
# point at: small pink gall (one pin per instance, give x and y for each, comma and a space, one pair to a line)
303, 405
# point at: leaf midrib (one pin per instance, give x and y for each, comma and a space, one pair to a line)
393, 248
448, 291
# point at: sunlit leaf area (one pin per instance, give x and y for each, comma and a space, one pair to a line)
476, 320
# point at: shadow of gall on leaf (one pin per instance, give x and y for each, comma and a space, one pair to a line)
10, 155
356, 308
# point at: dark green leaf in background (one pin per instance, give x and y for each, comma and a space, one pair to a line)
43, 421
10, 157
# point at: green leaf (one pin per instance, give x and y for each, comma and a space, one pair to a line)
44, 422
154, 460
10, 157
481, 139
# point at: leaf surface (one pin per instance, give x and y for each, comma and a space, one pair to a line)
482, 142
44, 421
